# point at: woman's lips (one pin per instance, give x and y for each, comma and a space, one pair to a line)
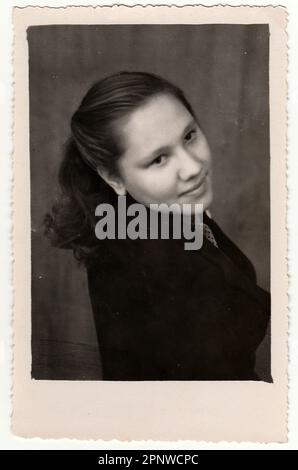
196, 188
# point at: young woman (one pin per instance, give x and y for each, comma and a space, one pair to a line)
161, 312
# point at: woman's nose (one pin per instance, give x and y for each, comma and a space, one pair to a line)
189, 165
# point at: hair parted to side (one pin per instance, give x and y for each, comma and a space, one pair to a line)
95, 143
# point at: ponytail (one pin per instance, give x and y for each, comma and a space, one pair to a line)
71, 223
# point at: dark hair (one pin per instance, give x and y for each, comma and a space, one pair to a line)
94, 143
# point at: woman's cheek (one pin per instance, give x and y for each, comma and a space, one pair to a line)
206, 152
157, 185
164, 183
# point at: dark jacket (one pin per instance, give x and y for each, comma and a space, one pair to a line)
165, 313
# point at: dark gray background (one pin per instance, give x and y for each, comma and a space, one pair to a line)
223, 70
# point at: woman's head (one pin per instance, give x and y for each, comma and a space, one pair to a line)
133, 133
140, 134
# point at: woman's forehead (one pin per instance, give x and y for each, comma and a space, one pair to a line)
158, 122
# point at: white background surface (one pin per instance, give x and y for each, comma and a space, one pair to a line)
7, 440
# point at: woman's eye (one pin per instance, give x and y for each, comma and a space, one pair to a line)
159, 160
190, 135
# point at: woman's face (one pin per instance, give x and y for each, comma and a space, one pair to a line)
167, 157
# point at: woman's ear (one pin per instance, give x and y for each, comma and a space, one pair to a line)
113, 181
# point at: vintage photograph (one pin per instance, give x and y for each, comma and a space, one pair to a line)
149, 230
158, 114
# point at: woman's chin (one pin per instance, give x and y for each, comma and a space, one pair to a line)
206, 200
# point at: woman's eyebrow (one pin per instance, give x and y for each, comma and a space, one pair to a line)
154, 154
167, 148
190, 126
